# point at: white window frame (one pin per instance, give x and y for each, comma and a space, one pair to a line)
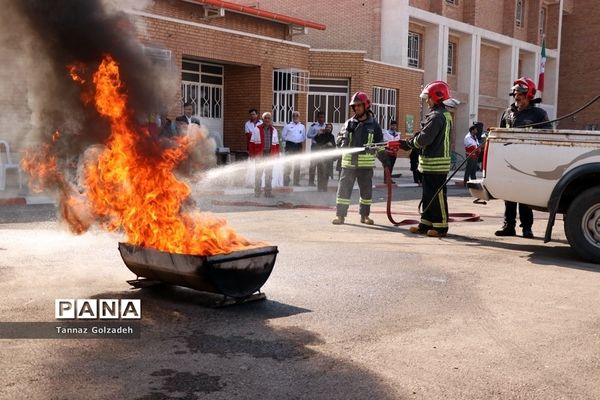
206, 98
336, 100
287, 83
519, 13
451, 58
414, 48
384, 105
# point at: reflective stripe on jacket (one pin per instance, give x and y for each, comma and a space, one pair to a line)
365, 133
434, 141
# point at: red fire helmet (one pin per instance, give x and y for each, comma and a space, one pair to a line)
361, 97
524, 85
437, 90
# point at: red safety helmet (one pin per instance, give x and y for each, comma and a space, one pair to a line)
437, 90
361, 97
524, 85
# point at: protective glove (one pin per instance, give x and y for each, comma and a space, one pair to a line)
404, 145
371, 149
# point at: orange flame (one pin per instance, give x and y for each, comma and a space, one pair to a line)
140, 194
76, 71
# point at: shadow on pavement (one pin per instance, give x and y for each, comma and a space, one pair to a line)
541, 254
188, 352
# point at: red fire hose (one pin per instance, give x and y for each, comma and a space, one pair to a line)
452, 217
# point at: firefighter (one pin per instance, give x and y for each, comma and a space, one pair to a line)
521, 113
434, 161
359, 131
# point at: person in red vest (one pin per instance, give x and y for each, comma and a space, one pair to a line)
264, 142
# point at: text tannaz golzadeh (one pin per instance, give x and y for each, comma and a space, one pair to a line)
97, 309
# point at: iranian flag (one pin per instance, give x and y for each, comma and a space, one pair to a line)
542, 67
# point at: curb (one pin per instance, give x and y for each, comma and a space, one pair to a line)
13, 201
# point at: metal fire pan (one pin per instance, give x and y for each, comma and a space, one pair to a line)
238, 274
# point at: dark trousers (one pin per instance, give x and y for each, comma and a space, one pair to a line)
436, 216
388, 162
510, 215
324, 168
471, 169
313, 166
292, 148
414, 165
364, 176
268, 171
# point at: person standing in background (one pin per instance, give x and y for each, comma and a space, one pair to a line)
313, 131
250, 125
294, 136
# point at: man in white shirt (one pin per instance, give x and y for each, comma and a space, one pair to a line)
251, 124
472, 148
315, 129
294, 136
391, 134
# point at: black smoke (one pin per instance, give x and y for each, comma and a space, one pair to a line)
62, 32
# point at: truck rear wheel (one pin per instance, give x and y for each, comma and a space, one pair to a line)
582, 224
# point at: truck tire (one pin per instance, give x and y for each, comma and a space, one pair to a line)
582, 224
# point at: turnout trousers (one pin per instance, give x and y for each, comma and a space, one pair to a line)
364, 176
436, 216
510, 215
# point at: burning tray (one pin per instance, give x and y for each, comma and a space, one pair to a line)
238, 274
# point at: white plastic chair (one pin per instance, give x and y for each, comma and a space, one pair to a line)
7, 163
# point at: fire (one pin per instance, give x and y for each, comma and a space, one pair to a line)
131, 185
76, 72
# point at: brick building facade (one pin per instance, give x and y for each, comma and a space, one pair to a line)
579, 79
479, 47
247, 60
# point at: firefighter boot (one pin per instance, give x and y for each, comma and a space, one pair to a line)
418, 230
364, 219
506, 230
338, 220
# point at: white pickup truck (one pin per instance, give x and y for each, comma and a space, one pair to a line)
557, 171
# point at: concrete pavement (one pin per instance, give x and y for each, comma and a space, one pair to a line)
353, 312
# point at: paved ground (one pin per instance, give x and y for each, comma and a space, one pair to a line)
353, 312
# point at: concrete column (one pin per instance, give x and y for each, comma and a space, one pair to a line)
508, 69
394, 32
435, 56
468, 59
549, 95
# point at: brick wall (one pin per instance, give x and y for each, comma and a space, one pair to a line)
242, 92
422, 4
579, 79
488, 71
247, 86
490, 118
195, 13
408, 84
351, 24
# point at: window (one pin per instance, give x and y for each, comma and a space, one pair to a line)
519, 14
542, 22
384, 105
453, 2
329, 96
287, 83
451, 58
414, 43
202, 85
